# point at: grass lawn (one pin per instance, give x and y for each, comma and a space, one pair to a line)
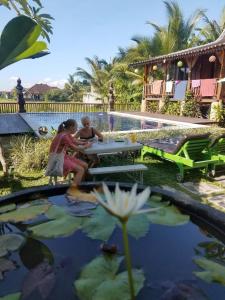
159, 173
31, 154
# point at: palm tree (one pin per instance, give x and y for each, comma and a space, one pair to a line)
99, 76
177, 33
75, 89
213, 29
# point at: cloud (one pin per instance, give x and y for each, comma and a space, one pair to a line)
13, 78
58, 83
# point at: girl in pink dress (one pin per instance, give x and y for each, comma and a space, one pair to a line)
64, 141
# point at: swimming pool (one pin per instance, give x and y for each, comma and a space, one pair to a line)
105, 122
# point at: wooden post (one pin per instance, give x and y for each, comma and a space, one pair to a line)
162, 100
191, 61
145, 81
222, 74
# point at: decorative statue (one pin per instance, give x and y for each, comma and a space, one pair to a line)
20, 98
111, 97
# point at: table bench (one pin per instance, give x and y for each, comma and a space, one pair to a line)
119, 169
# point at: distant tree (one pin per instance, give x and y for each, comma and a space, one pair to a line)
57, 95
75, 88
99, 76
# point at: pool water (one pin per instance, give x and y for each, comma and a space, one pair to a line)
47, 268
104, 122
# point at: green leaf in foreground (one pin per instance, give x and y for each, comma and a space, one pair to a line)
10, 242
99, 281
214, 272
22, 214
138, 225
15, 296
100, 226
6, 208
61, 224
168, 215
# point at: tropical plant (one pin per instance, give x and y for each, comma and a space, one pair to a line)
75, 89
213, 29
178, 31
19, 41
100, 76
57, 95
22, 7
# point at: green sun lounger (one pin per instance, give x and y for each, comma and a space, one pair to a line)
187, 153
217, 153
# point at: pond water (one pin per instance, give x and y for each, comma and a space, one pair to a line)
102, 121
46, 267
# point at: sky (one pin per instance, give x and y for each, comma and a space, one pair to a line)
85, 28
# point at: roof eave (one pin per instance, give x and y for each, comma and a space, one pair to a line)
200, 50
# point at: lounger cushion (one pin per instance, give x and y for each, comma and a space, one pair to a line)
173, 145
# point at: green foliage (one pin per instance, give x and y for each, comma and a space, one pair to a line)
19, 41
15, 296
75, 89
173, 108
60, 224
33, 12
191, 107
152, 106
57, 95
99, 280
28, 153
24, 213
93, 226
213, 271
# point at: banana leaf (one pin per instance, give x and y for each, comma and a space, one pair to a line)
19, 41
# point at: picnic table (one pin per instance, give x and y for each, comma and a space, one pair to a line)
112, 147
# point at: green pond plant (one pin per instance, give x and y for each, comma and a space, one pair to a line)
122, 205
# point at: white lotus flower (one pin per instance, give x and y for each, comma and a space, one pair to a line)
124, 204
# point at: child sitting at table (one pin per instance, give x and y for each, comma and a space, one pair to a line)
89, 133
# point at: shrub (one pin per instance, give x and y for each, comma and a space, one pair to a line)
152, 106
29, 153
191, 106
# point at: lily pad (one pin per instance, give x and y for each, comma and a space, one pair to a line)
15, 296
61, 224
100, 226
6, 208
24, 214
214, 272
10, 242
168, 215
6, 265
99, 280
138, 226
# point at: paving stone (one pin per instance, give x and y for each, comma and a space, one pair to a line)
216, 198
202, 188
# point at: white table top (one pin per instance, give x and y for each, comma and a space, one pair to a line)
112, 146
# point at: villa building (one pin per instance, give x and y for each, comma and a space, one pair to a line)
38, 91
92, 97
198, 69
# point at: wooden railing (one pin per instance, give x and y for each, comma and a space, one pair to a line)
149, 91
12, 107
